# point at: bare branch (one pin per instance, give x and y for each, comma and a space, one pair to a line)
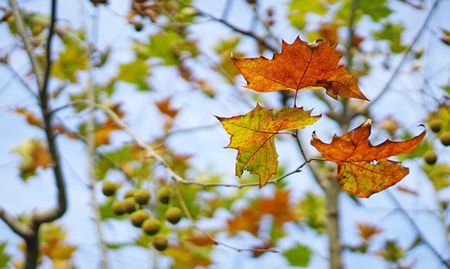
412, 222
416, 38
224, 22
22, 31
19, 228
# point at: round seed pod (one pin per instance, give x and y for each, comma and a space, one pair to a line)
141, 196
109, 188
160, 242
430, 157
138, 217
163, 195
118, 208
173, 215
151, 226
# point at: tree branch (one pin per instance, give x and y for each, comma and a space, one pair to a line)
61, 207
90, 139
416, 38
15, 225
251, 34
42, 79
21, 30
412, 222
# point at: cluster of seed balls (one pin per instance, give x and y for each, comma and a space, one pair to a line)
430, 156
133, 204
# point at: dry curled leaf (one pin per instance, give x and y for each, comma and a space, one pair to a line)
165, 107
298, 66
253, 136
363, 169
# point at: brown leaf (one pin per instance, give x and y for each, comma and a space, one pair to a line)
278, 206
300, 65
165, 107
363, 169
31, 118
246, 220
34, 155
367, 231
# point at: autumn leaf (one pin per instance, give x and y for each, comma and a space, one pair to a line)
165, 107
34, 155
30, 117
253, 136
363, 169
185, 257
246, 220
367, 231
300, 65
278, 206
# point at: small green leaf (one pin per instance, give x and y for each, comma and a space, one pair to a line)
299, 8
298, 256
312, 211
72, 59
4, 257
439, 175
136, 73
376, 10
393, 34
167, 46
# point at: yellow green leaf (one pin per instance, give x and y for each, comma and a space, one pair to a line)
253, 136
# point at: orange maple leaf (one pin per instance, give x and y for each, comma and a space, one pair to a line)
367, 231
278, 206
246, 220
300, 65
363, 169
165, 107
253, 136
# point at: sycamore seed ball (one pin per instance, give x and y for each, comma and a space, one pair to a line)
164, 195
141, 196
129, 193
151, 226
138, 26
435, 125
137, 218
118, 207
445, 139
130, 205
109, 188
430, 157
160, 242
173, 215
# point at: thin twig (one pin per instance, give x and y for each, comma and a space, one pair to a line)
16, 226
251, 34
227, 8
19, 78
22, 31
90, 139
416, 38
244, 185
412, 222
215, 242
